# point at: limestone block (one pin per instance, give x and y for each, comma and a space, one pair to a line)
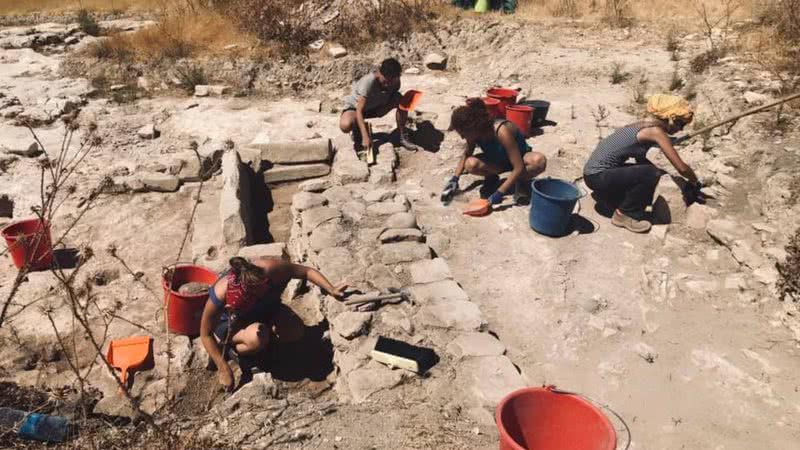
429, 271
401, 252
299, 152
453, 314
447, 290
234, 200
475, 344
489, 378
280, 173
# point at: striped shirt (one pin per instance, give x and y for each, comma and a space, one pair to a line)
613, 151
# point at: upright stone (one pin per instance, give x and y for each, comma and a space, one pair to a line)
234, 200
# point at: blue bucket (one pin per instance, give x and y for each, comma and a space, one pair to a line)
552, 203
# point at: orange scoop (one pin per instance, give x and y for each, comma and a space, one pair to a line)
128, 354
478, 208
410, 100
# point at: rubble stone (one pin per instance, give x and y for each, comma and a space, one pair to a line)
697, 216
724, 231
351, 324
386, 209
337, 264
317, 185
401, 252
337, 51
203, 90
346, 172
435, 61
367, 381
302, 201
329, 234
489, 378
380, 277
274, 250
312, 218
401, 220
379, 195
148, 131
429, 271
159, 182
475, 344
401, 235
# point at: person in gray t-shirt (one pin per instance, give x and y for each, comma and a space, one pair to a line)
374, 95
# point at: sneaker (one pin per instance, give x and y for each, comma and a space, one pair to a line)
489, 186
406, 143
522, 192
623, 221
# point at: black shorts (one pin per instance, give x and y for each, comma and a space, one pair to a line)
262, 314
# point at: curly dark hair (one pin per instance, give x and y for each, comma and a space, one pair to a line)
474, 116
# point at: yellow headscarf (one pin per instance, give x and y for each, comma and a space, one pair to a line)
669, 107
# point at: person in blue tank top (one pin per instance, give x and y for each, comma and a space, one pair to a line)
503, 149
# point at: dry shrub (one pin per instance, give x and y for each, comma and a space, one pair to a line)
287, 24
191, 76
87, 23
618, 73
779, 48
115, 47
618, 13
565, 8
789, 271
383, 20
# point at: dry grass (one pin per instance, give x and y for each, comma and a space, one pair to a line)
639, 10
16, 7
175, 37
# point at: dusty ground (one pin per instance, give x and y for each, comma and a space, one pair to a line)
686, 344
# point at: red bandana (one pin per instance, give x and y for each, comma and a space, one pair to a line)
241, 298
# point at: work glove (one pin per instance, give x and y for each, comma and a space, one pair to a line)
496, 198
692, 193
452, 184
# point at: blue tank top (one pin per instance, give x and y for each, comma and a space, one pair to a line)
494, 149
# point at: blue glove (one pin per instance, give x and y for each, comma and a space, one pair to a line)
496, 198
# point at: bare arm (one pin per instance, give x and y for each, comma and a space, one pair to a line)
468, 151
208, 321
507, 138
361, 103
306, 273
657, 135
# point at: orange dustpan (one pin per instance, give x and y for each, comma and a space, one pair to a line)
128, 354
478, 208
410, 100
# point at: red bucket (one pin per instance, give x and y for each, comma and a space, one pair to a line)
493, 106
540, 419
507, 98
29, 242
521, 115
183, 310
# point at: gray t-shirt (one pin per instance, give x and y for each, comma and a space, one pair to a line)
370, 88
613, 151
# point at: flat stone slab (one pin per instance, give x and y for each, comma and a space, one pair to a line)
489, 378
470, 345
367, 381
452, 314
160, 182
315, 185
429, 271
274, 250
401, 252
279, 174
315, 217
378, 195
380, 277
339, 195
438, 290
402, 235
386, 209
724, 231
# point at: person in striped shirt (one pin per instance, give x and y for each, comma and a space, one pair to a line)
610, 175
